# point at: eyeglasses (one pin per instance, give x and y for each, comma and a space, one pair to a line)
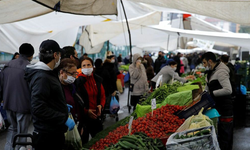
71, 73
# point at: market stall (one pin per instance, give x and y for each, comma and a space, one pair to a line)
157, 122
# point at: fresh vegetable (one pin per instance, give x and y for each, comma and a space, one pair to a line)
106, 131
124, 67
161, 124
161, 93
189, 135
136, 141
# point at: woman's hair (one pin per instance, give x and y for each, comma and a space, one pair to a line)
107, 61
66, 64
16, 53
172, 63
87, 58
98, 62
148, 61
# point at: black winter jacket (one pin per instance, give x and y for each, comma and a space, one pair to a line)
48, 104
109, 77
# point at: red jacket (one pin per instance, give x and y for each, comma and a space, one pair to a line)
90, 85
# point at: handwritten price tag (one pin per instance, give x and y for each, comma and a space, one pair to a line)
153, 103
130, 124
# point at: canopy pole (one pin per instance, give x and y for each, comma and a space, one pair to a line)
130, 49
130, 45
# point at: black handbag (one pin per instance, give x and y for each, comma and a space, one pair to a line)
131, 87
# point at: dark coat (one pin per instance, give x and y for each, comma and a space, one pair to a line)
158, 62
48, 104
15, 90
178, 61
109, 78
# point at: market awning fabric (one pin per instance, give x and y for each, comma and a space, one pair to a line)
83, 7
16, 10
99, 33
236, 11
61, 27
239, 39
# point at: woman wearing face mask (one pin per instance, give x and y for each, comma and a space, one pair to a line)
89, 86
67, 76
138, 79
168, 73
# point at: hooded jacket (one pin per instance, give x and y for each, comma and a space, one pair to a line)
219, 86
138, 77
168, 73
16, 94
48, 104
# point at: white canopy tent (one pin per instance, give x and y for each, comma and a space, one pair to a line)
58, 26
236, 11
240, 39
17, 10
198, 50
62, 27
55, 25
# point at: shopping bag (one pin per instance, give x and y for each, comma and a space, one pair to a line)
72, 138
2, 124
114, 105
119, 85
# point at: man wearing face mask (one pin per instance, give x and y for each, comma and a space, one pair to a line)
70, 52
219, 87
158, 62
16, 95
168, 73
48, 105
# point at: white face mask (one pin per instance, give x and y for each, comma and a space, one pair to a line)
57, 63
87, 71
69, 80
139, 60
112, 61
208, 66
174, 68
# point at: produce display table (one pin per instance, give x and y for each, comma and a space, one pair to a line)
158, 125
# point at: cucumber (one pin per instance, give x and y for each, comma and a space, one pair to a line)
202, 132
129, 140
123, 145
130, 145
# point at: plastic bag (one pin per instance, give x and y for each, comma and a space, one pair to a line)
142, 110
187, 88
158, 82
2, 124
114, 105
180, 98
243, 90
72, 138
196, 121
201, 142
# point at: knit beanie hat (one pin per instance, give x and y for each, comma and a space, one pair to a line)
26, 49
